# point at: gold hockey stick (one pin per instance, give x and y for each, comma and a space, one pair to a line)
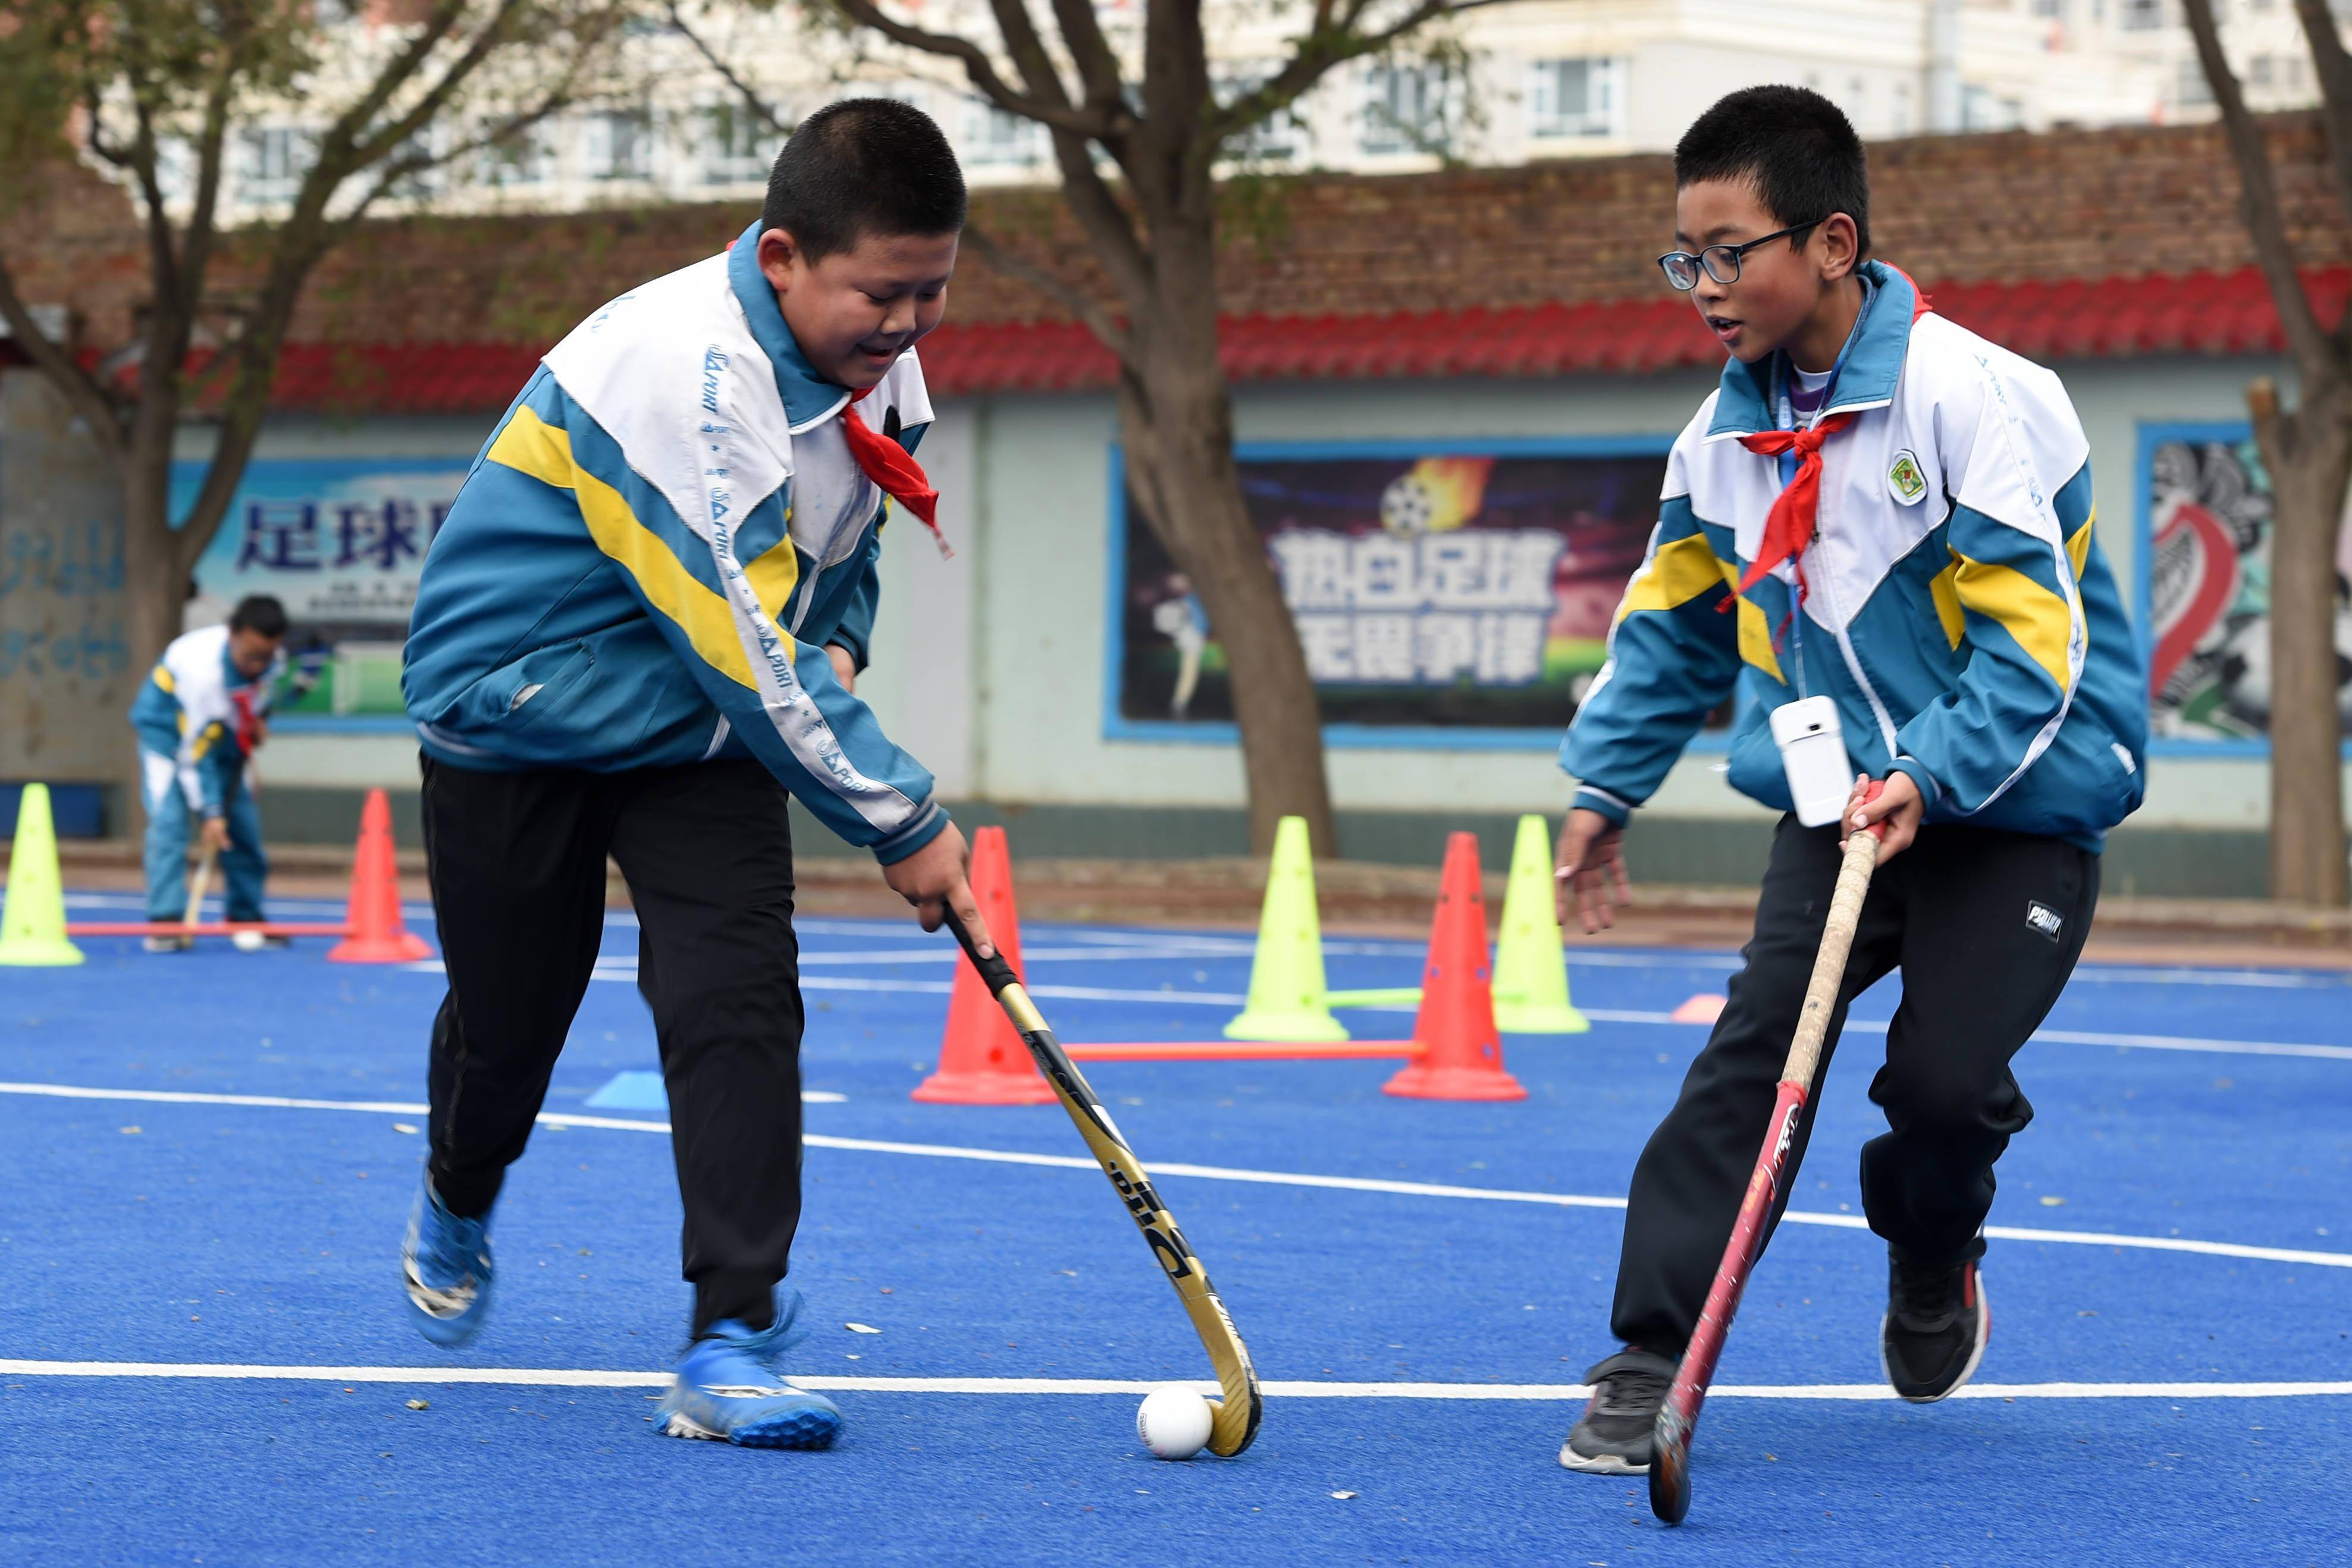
1237, 1416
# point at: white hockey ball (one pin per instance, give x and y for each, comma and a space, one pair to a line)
1173, 1421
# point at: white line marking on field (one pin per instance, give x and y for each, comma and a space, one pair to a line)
624, 969
608, 970
582, 1377
283, 1102
1203, 1173
1051, 954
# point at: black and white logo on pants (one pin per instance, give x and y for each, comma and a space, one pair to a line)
2043, 920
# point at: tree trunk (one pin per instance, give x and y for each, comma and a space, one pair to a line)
1176, 420
2309, 453
156, 567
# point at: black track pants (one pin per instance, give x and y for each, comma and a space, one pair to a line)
517, 862
1986, 927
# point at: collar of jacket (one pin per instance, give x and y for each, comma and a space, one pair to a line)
807, 400
1873, 365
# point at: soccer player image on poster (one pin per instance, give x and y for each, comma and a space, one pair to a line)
1430, 589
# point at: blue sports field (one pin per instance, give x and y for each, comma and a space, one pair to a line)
210, 1158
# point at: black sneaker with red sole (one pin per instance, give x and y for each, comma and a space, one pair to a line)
1935, 1330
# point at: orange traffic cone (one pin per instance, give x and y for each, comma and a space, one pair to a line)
377, 932
1462, 1053
982, 1058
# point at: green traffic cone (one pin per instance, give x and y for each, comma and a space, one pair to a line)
32, 918
1530, 973
1286, 991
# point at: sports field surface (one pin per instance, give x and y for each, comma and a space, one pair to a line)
210, 1158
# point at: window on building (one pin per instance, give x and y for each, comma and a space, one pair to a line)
2260, 70
1406, 109
1899, 118
1981, 109
2196, 92
1280, 137
739, 148
2140, 15
274, 158
2053, 10
426, 174
526, 158
620, 145
998, 139
1575, 98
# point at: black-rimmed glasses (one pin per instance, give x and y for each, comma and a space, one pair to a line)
1721, 261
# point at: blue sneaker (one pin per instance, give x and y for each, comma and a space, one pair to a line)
728, 1389
445, 1261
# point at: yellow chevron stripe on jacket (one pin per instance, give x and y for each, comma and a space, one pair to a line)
1680, 571
1677, 571
2042, 622
529, 445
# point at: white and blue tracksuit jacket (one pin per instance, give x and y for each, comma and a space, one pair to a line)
648, 560
187, 720
191, 748
1959, 610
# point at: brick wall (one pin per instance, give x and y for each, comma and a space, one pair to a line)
1978, 209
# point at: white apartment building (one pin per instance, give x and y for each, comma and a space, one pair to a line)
1509, 83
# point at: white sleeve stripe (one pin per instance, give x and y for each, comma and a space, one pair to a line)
795, 714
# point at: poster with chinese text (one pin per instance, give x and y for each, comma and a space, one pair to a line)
340, 542
1443, 590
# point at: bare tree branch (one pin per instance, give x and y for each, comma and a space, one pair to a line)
162, 254
2332, 67
980, 70
1098, 70
102, 412
351, 125
1092, 316
2319, 354
396, 135
1320, 50
212, 149
1028, 48
751, 97
1107, 223
410, 166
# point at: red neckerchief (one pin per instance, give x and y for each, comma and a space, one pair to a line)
893, 467
1789, 528
248, 721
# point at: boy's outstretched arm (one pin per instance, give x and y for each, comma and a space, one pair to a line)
1673, 653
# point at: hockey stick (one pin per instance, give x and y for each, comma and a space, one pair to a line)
196, 890
1670, 1489
1235, 1418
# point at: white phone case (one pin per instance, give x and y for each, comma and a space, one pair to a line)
1812, 754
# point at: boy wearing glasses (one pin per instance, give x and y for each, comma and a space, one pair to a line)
1878, 532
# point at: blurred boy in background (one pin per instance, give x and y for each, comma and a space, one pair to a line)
200, 717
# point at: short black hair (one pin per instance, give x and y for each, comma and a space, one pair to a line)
1794, 146
864, 166
260, 614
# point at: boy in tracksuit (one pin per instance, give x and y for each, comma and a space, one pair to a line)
640, 624
200, 716
1878, 506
